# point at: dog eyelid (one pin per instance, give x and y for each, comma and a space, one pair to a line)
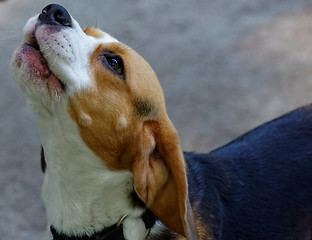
113, 62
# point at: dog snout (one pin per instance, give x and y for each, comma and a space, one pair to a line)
55, 14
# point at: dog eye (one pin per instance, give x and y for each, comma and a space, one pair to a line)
114, 62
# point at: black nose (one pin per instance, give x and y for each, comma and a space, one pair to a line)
55, 14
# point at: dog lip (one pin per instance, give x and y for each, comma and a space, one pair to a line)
31, 41
34, 61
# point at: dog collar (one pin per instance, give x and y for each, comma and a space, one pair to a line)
113, 232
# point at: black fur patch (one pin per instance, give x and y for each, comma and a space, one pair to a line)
42, 160
258, 186
136, 201
143, 107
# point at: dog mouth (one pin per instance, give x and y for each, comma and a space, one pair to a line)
31, 56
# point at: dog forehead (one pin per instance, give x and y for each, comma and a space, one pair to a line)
100, 35
140, 78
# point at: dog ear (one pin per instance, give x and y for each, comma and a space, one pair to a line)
160, 177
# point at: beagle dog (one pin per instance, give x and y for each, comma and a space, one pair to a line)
114, 168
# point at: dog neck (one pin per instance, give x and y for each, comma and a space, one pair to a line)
81, 195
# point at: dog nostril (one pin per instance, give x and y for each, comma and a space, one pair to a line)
60, 18
55, 14
46, 10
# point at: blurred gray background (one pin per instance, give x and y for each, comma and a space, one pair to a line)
226, 66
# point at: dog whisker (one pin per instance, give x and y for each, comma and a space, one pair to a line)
45, 56
43, 49
14, 35
54, 61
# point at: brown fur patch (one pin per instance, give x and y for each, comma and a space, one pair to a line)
203, 230
94, 32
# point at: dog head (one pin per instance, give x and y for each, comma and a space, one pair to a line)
89, 81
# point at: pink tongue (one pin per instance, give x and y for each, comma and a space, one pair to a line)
55, 82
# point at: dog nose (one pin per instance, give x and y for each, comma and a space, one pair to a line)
55, 14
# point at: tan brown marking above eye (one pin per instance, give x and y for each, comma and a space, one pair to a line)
94, 32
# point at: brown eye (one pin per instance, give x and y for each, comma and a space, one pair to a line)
116, 64
113, 62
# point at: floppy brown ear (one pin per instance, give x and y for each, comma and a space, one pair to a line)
160, 177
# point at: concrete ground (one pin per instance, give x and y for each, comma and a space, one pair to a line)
226, 66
